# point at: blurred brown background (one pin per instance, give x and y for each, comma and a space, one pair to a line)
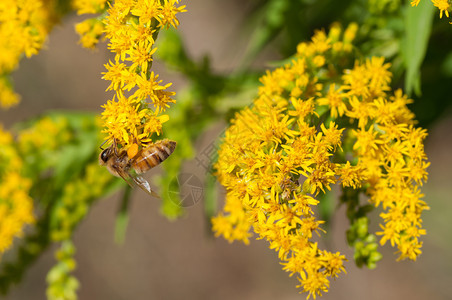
179, 260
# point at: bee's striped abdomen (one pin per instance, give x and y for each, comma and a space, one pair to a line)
153, 155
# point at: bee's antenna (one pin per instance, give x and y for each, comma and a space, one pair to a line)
103, 144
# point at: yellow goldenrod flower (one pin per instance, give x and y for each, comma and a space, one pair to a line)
24, 26
88, 6
279, 154
443, 5
8, 97
90, 31
47, 134
335, 101
350, 34
16, 206
128, 119
134, 115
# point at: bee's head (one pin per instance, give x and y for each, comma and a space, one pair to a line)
104, 156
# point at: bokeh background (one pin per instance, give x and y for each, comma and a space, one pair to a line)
162, 259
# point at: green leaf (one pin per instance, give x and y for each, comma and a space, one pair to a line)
269, 21
418, 24
211, 195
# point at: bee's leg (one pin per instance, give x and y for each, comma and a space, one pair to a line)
115, 147
135, 141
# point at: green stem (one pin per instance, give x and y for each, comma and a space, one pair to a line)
122, 218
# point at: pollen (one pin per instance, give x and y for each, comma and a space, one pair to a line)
132, 151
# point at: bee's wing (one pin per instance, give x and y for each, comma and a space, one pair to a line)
133, 179
144, 185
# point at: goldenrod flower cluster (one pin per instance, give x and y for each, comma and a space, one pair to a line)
54, 161
322, 119
43, 138
42, 144
89, 6
16, 206
61, 283
76, 200
136, 111
444, 6
24, 25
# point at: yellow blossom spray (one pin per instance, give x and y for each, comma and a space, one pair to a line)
324, 119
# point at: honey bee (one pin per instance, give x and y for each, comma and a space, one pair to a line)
119, 163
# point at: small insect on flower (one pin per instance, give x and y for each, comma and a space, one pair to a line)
120, 164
